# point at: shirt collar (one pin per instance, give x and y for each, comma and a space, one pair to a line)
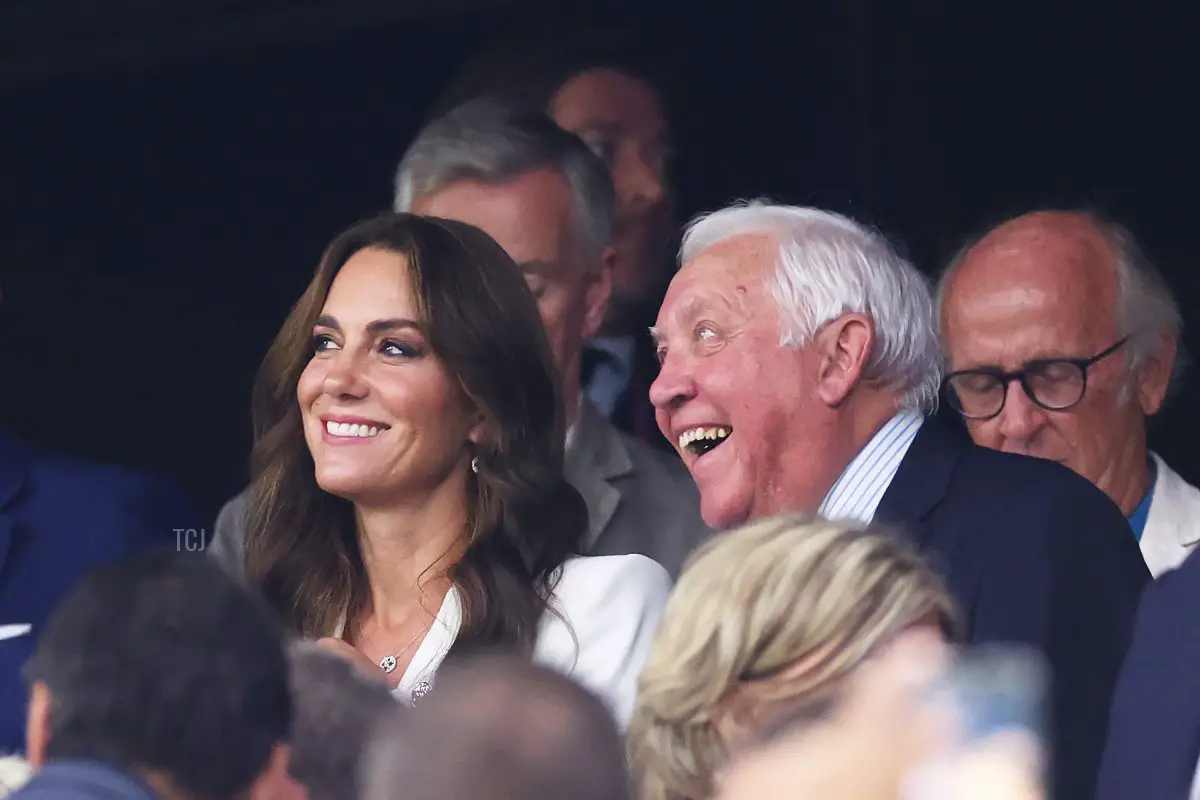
82, 778
621, 348
856, 494
1137, 520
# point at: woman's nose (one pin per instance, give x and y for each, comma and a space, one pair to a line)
344, 378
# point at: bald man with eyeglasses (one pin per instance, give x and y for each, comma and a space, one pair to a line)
1061, 339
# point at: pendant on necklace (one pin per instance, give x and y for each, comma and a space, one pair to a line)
387, 663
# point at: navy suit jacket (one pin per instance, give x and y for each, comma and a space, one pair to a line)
1033, 554
58, 518
1154, 733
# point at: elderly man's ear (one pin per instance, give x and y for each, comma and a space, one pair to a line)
843, 348
1154, 374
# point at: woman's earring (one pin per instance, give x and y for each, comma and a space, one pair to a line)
475, 464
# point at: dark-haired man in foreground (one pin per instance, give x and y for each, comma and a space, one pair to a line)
160, 677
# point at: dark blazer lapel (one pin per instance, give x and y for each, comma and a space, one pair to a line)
12, 476
596, 457
922, 479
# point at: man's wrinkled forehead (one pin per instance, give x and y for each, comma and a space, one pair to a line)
727, 277
1056, 254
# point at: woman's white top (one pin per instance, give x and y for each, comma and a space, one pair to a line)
613, 605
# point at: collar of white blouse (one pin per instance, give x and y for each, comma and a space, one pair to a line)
417, 680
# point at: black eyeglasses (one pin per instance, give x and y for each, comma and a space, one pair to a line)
1055, 384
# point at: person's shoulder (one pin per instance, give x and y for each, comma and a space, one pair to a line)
1171, 484
233, 513
1179, 587
611, 592
1044, 498
606, 610
597, 580
49, 470
112, 504
1033, 505
228, 543
1012, 474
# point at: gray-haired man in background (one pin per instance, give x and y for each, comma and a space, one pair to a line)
543, 195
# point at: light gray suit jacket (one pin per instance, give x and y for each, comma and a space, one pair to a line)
639, 500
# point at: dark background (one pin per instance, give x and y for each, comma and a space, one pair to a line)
172, 171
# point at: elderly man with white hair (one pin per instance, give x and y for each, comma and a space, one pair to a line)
800, 362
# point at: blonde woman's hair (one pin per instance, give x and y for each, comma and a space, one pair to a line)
784, 608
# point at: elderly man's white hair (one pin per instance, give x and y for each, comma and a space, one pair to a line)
830, 265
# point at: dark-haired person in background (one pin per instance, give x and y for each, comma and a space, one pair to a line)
548, 201
408, 499
610, 101
159, 678
58, 517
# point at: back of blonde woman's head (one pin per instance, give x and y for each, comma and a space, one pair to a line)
770, 615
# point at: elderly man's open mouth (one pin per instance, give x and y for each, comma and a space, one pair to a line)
700, 440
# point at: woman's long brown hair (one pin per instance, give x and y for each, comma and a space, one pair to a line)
524, 519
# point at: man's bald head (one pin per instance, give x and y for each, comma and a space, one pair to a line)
1061, 287
1045, 259
1064, 261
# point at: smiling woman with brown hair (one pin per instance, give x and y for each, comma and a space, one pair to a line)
407, 499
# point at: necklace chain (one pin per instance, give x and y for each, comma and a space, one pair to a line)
388, 663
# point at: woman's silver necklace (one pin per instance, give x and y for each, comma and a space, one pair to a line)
388, 665
389, 662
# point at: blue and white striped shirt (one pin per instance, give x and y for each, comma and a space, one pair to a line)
856, 494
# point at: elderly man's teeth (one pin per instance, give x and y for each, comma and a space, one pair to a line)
350, 429
703, 439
